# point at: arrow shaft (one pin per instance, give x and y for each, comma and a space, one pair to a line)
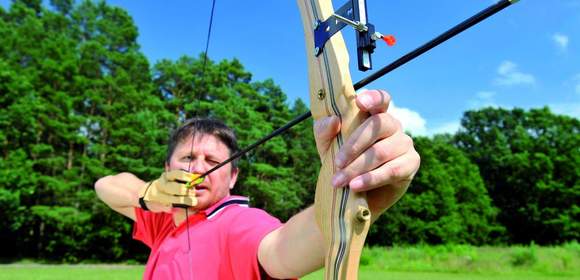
452, 32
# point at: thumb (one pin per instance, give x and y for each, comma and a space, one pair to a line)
325, 130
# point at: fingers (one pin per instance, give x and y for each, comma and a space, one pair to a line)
373, 101
178, 175
398, 172
325, 129
175, 188
157, 195
381, 152
171, 189
177, 182
376, 127
185, 200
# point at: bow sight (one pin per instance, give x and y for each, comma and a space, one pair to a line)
353, 13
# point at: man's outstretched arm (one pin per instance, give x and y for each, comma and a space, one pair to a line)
120, 192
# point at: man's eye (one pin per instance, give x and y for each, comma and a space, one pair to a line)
213, 162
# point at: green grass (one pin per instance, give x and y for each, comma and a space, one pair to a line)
94, 272
469, 262
365, 274
401, 263
66, 272
562, 260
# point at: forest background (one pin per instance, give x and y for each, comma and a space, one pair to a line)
79, 100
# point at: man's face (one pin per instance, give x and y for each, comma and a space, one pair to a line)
208, 151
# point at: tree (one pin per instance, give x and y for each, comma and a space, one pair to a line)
72, 78
446, 202
530, 163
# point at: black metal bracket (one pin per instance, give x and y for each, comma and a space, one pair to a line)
351, 10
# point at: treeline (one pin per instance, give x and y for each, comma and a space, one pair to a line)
78, 100
507, 177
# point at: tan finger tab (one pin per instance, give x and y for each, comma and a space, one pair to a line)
174, 188
178, 175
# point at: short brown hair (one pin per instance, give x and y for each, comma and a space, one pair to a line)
203, 126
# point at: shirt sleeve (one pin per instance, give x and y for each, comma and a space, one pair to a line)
251, 226
151, 228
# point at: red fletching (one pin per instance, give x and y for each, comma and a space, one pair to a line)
389, 39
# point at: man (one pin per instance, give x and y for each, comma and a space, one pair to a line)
219, 237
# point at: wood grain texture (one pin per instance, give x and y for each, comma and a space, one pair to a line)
342, 215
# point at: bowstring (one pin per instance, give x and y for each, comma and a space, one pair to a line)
202, 78
188, 242
203, 68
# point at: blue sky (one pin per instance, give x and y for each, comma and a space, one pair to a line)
526, 56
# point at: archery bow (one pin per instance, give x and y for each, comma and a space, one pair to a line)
343, 216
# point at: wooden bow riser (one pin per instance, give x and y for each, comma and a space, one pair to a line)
342, 215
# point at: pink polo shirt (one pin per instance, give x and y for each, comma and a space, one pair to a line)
224, 242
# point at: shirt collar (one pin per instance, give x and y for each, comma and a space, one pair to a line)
213, 210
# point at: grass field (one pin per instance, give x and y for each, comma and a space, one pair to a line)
121, 272
366, 274
401, 263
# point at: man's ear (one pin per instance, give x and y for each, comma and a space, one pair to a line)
235, 172
166, 166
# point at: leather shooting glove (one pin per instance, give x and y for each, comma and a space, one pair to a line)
173, 188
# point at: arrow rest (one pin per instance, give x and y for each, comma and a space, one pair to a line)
353, 13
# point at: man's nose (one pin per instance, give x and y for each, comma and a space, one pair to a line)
197, 166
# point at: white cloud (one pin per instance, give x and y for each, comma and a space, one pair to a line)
448, 127
509, 75
569, 109
414, 123
483, 99
411, 120
561, 41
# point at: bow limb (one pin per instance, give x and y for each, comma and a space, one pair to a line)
342, 215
